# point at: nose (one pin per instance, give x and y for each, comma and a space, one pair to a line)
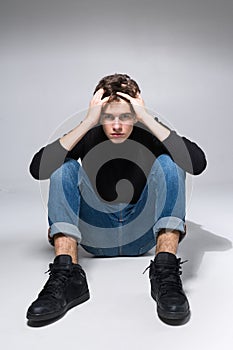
117, 124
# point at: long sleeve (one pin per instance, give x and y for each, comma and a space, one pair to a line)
185, 153
49, 158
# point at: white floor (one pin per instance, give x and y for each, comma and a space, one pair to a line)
120, 314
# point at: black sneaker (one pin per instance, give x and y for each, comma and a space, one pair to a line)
166, 288
65, 288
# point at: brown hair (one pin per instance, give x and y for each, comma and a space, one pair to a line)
113, 83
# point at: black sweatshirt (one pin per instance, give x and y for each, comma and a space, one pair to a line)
107, 163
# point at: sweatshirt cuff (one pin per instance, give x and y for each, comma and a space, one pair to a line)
172, 136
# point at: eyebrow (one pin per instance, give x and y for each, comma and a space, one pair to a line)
118, 114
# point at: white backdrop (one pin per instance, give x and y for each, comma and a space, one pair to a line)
53, 53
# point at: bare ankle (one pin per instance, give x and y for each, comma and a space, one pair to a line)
66, 245
167, 241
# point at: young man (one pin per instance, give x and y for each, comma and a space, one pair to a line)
126, 197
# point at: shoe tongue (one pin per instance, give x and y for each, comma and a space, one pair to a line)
165, 258
62, 261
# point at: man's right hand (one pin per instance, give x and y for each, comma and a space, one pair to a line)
95, 107
69, 140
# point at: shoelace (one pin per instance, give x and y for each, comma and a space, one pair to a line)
179, 263
168, 276
55, 282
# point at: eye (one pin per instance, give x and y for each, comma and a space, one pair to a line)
126, 116
107, 117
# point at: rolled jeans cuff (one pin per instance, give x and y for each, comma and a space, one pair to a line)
170, 223
64, 228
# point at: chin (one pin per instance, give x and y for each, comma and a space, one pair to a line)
119, 140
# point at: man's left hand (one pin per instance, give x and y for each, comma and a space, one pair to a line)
137, 103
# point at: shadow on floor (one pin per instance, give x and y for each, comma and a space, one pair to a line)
192, 248
195, 244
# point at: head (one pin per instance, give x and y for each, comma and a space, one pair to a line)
117, 115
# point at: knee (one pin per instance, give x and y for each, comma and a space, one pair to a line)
166, 162
68, 170
168, 166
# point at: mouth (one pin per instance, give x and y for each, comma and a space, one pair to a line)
117, 135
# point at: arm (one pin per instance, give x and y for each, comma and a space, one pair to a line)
52, 156
157, 128
47, 160
74, 136
185, 153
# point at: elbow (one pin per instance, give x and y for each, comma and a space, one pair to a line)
34, 172
201, 165
37, 174
38, 168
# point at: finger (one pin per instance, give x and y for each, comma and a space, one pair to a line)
98, 101
99, 93
101, 90
97, 96
134, 101
105, 99
124, 95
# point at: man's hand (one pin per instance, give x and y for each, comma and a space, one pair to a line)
95, 107
138, 105
159, 130
75, 135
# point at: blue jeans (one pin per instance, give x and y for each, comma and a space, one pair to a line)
125, 229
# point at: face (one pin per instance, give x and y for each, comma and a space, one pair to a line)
117, 121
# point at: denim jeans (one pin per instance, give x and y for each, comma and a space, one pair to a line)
125, 229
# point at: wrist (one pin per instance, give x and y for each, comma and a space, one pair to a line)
145, 117
88, 122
